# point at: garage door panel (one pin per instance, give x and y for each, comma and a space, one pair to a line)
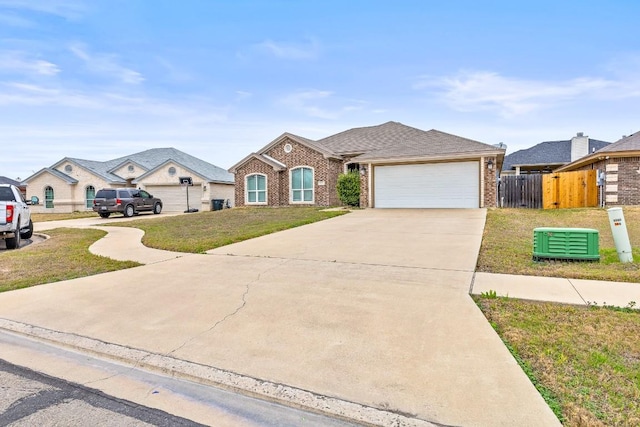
437, 185
174, 197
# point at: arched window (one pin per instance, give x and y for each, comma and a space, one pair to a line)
256, 189
302, 185
90, 195
48, 197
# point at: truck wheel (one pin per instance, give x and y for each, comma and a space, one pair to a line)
104, 214
129, 211
157, 208
13, 242
27, 234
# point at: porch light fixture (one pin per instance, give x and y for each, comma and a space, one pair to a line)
490, 164
363, 170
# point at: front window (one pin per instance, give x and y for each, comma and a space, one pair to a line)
256, 189
302, 185
90, 195
48, 197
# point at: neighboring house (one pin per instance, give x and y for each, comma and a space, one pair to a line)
71, 184
549, 155
21, 186
620, 163
399, 166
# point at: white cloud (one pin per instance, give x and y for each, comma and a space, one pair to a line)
17, 61
106, 65
484, 90
295, 51
320, 104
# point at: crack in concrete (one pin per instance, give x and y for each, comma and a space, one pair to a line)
228, 316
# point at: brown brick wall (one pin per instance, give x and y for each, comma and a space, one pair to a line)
628, 182
490, 183
325, 171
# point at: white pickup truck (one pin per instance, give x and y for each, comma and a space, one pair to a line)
15, 217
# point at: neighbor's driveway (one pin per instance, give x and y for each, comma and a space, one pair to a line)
371, 307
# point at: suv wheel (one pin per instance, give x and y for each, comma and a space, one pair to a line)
129, 211
157, 208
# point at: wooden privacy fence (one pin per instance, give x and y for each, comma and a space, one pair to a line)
565, 190
521, 191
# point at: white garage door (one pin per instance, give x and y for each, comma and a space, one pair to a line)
434, 185
174, 197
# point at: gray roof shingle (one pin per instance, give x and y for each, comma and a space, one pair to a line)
395, 140
628, 143
153, 158
547, 153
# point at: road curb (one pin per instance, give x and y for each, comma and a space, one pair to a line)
254, 387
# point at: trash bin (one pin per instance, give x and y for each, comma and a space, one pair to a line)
217, 204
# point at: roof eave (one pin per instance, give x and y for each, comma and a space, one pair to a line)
426, 158
592, 158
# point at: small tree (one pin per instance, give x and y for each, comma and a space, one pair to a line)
349, 188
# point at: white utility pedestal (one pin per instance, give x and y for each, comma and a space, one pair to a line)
620, 234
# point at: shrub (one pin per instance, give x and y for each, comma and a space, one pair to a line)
349, 188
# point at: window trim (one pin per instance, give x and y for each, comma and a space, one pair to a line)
266, 190
313, 186
48, 203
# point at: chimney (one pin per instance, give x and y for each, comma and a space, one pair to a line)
579, 146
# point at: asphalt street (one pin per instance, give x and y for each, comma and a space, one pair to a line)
29, 397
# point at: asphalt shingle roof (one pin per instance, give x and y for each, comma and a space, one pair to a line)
151, 159
547, 153
628, 143
393, 139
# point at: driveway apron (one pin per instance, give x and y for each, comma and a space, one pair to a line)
370, 307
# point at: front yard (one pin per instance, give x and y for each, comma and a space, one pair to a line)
507, 244
585, 361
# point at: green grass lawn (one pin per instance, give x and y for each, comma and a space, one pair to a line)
585, 361
507, 244
202, 231
64, 256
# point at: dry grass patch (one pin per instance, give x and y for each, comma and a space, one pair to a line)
203, 231
507, 244
584, 360
62, 257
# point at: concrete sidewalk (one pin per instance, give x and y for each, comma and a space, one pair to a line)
365, 316
554, 289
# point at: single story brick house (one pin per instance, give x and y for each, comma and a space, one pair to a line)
70, 184
620, 163
549, 155
400, 167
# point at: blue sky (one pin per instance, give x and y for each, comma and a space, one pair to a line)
99, 79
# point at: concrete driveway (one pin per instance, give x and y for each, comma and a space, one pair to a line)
371, 307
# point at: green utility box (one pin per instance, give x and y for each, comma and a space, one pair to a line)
577, 244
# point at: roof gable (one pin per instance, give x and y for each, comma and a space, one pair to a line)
60, 175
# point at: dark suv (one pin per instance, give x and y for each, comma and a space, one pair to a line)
127, 201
